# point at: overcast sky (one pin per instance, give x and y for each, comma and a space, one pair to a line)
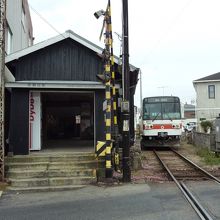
173, 42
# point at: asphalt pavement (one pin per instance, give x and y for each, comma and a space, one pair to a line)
208, 194
152, 201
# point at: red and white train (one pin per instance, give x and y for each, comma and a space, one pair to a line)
162, 124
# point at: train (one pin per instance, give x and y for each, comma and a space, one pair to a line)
161, 121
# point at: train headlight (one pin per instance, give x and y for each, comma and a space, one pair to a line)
147, 127
175, 126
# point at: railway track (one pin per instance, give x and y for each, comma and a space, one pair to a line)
183, 172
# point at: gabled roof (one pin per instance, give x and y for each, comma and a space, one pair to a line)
68, 34
213, 77
189, 107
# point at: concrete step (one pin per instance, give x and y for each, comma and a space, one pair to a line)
45, 188
53, 181
51, 172
50, 158
19, 174
50, 165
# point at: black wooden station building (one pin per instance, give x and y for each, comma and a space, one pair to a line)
56, 99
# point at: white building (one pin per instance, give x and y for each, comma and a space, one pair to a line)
19, 31
207, 97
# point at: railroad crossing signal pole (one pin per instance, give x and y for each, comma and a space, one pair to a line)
107, 79
115, 135
110, 95
2, 89
126, 96
108, 112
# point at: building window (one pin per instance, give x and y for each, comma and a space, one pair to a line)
211, 89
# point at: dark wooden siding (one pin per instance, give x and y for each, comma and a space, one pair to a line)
66, 60
7, 118
19, 122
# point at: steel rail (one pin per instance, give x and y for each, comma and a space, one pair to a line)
195, 204
196, 166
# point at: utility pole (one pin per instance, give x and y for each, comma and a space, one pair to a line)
126, 95
141, 98
2, 89
163, 88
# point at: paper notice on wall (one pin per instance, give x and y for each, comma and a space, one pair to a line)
34, 121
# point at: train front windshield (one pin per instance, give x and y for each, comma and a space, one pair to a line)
161, 108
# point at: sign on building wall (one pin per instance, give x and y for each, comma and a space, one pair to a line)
34, 121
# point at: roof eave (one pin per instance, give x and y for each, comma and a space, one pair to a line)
55, 85
206, 81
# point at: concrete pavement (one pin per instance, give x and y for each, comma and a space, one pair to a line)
132, 201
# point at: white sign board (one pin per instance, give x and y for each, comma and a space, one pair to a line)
34, 121
104, 105
125, 125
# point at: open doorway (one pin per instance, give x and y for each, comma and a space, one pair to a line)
68, 120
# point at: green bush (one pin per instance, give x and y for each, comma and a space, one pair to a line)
208, 157
206, 125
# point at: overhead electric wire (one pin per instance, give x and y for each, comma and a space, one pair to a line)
47, 22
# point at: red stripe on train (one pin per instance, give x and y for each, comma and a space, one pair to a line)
163, 126
160, 126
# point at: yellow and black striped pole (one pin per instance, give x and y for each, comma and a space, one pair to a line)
112, 72
108, 162
114, 102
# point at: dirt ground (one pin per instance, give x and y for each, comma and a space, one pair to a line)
153, 172
189, 151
